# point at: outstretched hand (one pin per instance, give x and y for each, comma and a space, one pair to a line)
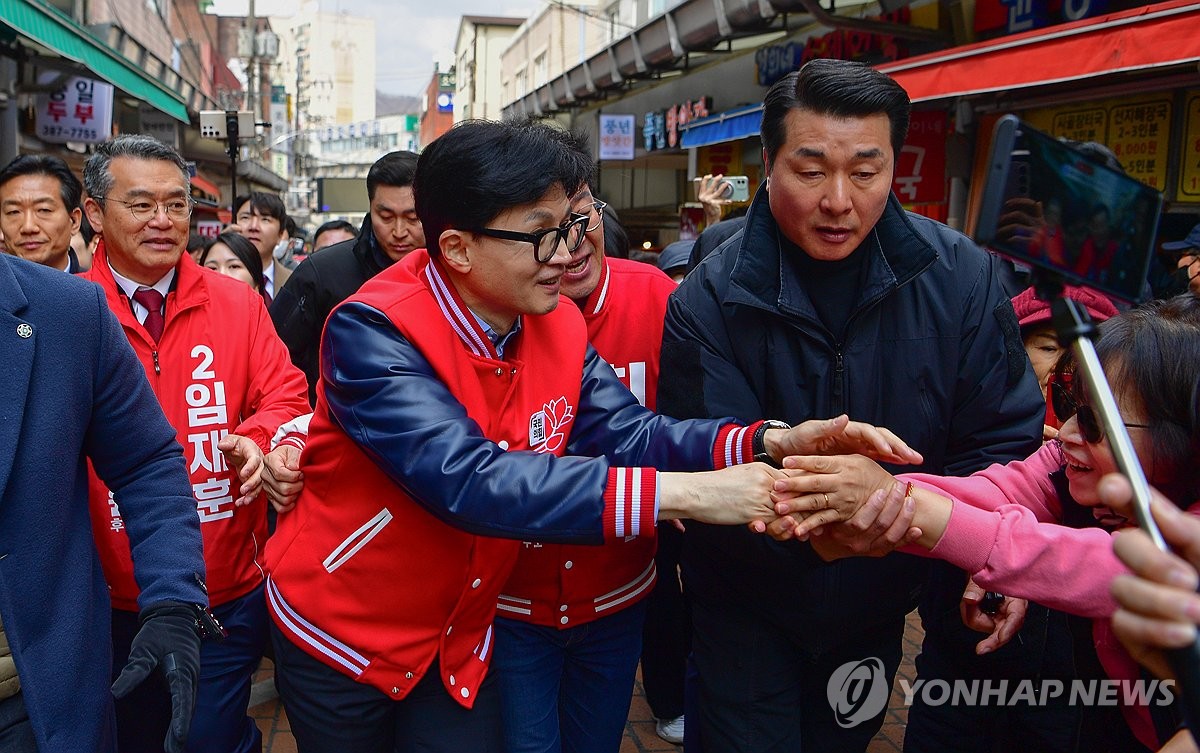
840, 436
827, 490
1001, 627
282, 478
245, 457
737, 494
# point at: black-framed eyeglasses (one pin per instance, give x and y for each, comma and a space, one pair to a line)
144, 210
1066, 403
545, 242
597, 207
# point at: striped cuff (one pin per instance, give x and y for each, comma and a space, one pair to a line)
295, 439
734, 445
630, 503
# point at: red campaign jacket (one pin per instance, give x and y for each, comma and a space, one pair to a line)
218, 369
564, 585
420, 483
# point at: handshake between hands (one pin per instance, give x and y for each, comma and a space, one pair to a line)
829, 483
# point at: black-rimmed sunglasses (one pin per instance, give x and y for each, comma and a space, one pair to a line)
1066, 403
545, 242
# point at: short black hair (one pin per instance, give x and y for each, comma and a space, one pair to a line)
69, 187
266, 204
579, 142
243, 249
479, 168
334, 225
841, 88
616, 239
392, 169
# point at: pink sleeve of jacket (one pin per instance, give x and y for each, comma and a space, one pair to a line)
1003, 530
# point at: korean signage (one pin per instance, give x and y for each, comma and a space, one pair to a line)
616, 136
724, 158
1012, 16
79, 111
1136, 129
776, 61
1189, 167
159, 125
661, 129
920, 176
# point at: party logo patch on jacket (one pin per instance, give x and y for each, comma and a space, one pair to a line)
548, 427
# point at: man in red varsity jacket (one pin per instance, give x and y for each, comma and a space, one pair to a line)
570, 619
225, 382
461, 411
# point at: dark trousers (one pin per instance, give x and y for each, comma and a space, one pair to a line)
332, 713
758, 691
16, 733
667, 636
219, 722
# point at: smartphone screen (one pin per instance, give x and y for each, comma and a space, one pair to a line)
1051, 206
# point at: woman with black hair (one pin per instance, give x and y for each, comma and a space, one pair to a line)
234, 256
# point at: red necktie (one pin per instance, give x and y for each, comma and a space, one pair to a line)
152, 301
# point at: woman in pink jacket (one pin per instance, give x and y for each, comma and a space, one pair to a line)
1037, 529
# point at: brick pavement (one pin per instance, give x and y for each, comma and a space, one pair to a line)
639, 730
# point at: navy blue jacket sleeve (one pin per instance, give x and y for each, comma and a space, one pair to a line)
612, 423
133, 450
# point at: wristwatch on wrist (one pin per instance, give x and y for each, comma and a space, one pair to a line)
758, 443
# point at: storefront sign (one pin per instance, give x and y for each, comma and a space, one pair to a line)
661, 129
208, 228
1189, 162
80, 111
1013, 16
720, 159
616, 136
1082, 125
921, 168
159, 125
1139, 135
1137, 129
776, 61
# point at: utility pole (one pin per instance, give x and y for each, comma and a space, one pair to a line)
252, 67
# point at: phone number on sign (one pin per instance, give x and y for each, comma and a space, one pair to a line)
70, 132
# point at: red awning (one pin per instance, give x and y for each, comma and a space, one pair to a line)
1152, 36
207, 186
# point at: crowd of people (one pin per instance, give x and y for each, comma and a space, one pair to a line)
464, 468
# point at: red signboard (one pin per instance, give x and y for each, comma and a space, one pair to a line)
921, 167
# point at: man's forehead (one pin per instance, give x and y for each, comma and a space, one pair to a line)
48, 185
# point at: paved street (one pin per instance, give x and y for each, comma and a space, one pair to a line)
639, 731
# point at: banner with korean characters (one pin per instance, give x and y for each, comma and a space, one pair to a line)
617, 137
80, 111
1189, 154
920, 176
1137, 129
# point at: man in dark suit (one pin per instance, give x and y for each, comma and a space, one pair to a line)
74, 391
40, 210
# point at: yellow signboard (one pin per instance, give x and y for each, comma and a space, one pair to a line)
1137, 129
1189, 153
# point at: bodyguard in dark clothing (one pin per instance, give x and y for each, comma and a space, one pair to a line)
325, 279
832, 300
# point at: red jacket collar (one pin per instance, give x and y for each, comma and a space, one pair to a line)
599, 297
189, 290
464, 323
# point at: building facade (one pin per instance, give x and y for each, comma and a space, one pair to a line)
477, 49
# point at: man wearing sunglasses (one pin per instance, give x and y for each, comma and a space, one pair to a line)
462, 417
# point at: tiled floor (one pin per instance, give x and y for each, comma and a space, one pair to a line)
639, 730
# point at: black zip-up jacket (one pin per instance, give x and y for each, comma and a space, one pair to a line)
316, 287
932, 351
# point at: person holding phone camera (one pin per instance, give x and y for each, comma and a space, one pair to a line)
1024, 528
833, 299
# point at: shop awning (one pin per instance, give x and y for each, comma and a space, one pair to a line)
58, 33
726, 126
206, 185
1153, 36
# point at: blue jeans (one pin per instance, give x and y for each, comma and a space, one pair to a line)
219, 722
567, 690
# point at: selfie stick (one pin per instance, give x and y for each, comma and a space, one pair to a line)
1075, 328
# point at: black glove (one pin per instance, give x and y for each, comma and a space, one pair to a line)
169, 638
